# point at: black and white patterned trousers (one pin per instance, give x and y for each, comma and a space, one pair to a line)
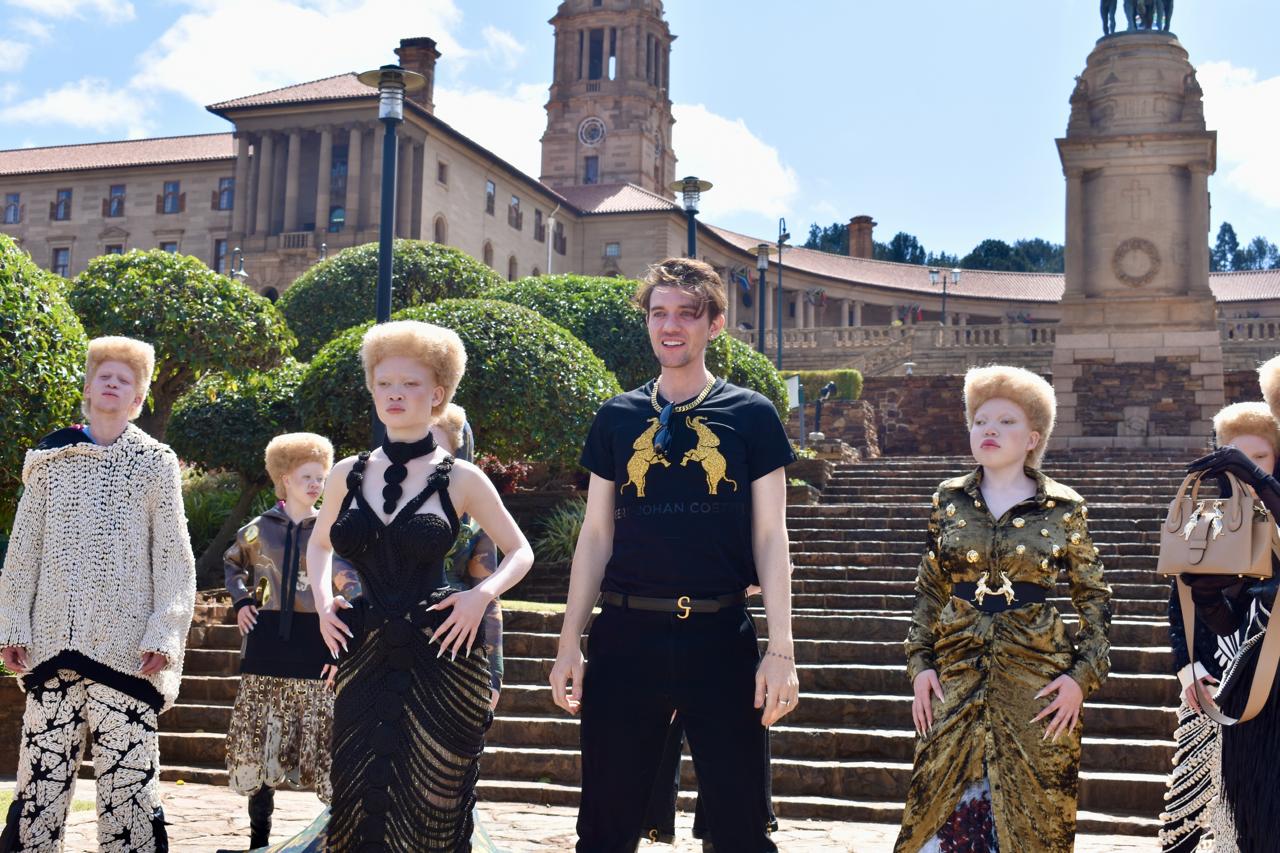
61, 714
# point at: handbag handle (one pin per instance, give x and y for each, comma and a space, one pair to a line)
1235, 513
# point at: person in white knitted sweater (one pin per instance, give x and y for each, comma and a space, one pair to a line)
96, 597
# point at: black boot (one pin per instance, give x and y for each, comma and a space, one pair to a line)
262, 804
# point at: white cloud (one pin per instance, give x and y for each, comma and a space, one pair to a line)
87, 103
508, 124
13, 55
9, 91
748, 173
111, 11
1242, 109
501, 46
32, 28
209, 55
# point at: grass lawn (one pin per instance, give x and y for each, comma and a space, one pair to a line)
6, 797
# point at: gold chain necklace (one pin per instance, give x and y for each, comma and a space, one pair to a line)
684, 407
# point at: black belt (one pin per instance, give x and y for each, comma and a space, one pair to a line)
682, 606
995, 598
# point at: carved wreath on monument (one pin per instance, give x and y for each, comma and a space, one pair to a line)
1136, 261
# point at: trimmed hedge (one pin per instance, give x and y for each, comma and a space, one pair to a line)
531, 389
42, 346
340, 293
743, 366
848, 382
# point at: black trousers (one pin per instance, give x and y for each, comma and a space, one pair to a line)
642, 666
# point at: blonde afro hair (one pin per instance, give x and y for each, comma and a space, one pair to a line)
1028, 390
287, 452
1240, 419
438, 349
451, 424
138, 356
1269, 379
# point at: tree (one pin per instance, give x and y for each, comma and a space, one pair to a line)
198, 321
904, 248
531, 388
1260, 254
834, 238
42, 349
224, 423
339, 293
1037, 255
945, 260
991, 255
1225, 255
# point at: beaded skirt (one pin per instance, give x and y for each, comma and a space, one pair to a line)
280, 731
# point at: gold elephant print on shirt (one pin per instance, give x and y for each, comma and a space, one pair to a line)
712, 460
644, 458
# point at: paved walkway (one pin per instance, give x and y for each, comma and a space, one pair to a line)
205, 818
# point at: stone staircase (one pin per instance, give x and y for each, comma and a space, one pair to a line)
845, 754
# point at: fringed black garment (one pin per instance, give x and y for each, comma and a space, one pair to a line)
408, 726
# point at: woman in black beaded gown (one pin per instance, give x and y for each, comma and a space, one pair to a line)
412, 701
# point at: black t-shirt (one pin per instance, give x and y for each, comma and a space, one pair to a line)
682, 521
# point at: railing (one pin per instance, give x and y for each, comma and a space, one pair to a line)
295, 240
1250, 329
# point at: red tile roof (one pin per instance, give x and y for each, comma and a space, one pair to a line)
616, 198
1245, 286
107, 155
339, 87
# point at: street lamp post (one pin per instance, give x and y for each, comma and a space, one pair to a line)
691, 190
762, 264
936, 275
783, 237
392, 82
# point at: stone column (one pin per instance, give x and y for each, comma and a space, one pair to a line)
801, 312
404, 190
240, 203
266, 156
291, 168
355, 145
731, 310
324, 174
844, 313
857, 312
1198, 224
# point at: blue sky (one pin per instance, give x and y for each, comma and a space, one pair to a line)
940, 122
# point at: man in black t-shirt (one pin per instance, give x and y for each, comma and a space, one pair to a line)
686, 509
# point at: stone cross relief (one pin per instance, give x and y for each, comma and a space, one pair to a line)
1138, 196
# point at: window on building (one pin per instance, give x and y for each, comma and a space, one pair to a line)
490, 197
12, 208
442, 172
511, 268
591, 170
515, 218
171, 200
613, 250
60, 210
558, 240
61, 262
488, 253
338, 169
595, 54
114, 249
539, 227
225, 196
440, 230
170, 246
581, 36
114, 204
220, 256
337, 218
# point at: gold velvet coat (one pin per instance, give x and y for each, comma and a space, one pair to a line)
992, 665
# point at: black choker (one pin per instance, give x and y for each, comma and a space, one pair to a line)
400, 453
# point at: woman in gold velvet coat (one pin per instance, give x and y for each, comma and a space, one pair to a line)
998, 679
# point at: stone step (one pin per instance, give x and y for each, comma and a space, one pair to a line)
919, 511
213, 718
203, 689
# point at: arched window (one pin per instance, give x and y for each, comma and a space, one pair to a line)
511, 268
488, 253
440, 230
337, 218
271, 293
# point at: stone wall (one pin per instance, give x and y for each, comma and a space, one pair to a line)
1241, 386
853, 422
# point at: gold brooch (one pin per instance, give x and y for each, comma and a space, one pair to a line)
1019, 522
251, 533
1051, 504
932, 556
962, 523
977, 504
1044, 564
951, 510
982, 591
972, 556
1066, 516
936, 500
1021, 549
1044, 532
1056, 551
1075, 538
1084, 512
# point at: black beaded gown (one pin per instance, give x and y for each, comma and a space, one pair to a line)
408, 726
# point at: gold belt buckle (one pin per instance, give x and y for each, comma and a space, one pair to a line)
683, 603
1005, 589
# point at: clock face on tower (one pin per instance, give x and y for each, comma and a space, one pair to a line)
591, 131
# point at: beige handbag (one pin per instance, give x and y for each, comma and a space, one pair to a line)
1221, 536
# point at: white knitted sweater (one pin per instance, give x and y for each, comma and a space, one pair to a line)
99, 561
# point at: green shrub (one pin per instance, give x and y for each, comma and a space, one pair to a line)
41, 364
341, 292
198, 321
531, 389
848, 383
558, 532
209, 497
597, 310
601, 312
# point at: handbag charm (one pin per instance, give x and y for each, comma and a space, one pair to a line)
982, 590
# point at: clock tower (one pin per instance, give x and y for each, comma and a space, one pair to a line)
609, 112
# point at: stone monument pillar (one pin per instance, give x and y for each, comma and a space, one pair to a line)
1138, 360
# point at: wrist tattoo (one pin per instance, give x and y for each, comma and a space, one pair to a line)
787, 658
